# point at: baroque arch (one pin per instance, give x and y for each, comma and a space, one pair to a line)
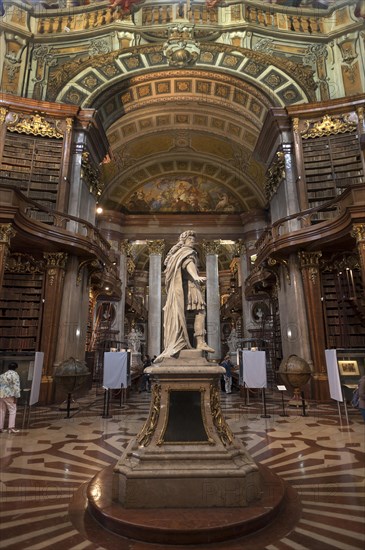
195, 125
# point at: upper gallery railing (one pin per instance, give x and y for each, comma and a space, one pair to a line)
52, 17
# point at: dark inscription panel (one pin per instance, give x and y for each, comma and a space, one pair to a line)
185, 423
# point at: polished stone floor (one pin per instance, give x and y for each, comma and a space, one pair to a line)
320, 455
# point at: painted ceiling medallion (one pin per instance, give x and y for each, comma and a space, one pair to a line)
181, 49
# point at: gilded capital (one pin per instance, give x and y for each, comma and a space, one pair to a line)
310, 261
358, 231
156, 247
125, 247
211, 247
6, 232
240, 247
55, 259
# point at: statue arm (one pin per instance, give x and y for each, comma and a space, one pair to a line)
192, 270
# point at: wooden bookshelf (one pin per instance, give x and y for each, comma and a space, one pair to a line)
33, 165
344, 326
331, 163
20, 312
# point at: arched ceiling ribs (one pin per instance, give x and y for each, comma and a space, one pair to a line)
90, 82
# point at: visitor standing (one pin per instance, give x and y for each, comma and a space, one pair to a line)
9, 392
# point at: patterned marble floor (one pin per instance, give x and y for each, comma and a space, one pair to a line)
45, 465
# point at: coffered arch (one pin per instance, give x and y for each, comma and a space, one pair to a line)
167, 122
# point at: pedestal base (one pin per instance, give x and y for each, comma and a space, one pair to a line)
186, 526
186, 456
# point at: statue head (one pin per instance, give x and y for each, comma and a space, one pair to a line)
187, 236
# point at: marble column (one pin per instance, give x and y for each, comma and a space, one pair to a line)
53, 292
309, 265
359, 233
156, 249
6, 233
211, 249
243, 255
72, 332
124, 249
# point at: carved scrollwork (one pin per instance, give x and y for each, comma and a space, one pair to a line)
145, 435
224, 433
35, 125
328, 126
91, 175
24, 263
275, 175
6, 232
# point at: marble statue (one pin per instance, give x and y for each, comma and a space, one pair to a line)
233, 341
184, 294
134, 340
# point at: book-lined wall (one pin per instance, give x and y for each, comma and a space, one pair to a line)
33, 165
20, 311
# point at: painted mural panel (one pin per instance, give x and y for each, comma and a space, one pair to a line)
182, 194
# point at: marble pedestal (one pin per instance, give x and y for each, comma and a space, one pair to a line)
185, 455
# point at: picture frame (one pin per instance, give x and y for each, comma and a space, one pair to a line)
349, 368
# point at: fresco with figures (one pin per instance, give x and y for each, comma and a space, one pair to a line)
182, 194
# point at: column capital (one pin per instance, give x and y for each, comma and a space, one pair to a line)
211, 247
55, 259
6, 232
3, 113
156, 247
240, 247
310, 261
358, 231
125, 247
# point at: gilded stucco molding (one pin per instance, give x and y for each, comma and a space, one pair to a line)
125, 247
340, 262
35, 125
146, 434
3, 113
329, 126
224, 432
24, 263
59, 77
6, 233
358, 231
275, 175
91, 175
240, 248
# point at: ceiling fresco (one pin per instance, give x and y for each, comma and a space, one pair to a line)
182, 194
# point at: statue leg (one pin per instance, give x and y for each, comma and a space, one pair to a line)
199, 332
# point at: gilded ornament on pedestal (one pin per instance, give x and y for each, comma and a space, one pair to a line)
224, 433
146, 434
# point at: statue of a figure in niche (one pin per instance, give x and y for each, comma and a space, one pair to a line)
184, 294
233, 341
134, 340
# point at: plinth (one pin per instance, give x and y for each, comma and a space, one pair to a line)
185, 464
185, 455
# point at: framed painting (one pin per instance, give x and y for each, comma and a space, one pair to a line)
348, 368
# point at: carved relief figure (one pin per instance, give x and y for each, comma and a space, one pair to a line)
183, 294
